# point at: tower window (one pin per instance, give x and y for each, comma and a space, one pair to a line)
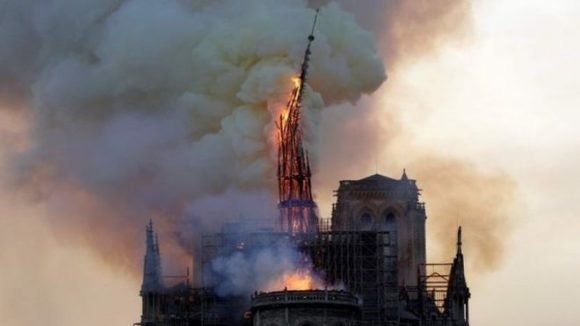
389, 221
365, 221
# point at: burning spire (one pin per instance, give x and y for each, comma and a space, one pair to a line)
297, 209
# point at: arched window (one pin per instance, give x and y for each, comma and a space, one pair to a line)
366, 221
389, 221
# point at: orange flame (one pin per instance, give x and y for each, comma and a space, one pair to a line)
299, 281
296, 81
285, 114
286, 111
296, 281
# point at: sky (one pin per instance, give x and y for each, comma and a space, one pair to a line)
505, 98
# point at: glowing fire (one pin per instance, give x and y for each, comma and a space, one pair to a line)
296, 81
296, 281
283, 111
295, 89
299, 281
285, 114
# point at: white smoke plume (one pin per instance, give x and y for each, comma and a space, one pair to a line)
140, 108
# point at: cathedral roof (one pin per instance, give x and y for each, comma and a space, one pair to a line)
378, 178
379, 182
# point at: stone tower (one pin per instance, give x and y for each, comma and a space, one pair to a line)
380, 203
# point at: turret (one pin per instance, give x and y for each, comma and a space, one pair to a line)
152, 286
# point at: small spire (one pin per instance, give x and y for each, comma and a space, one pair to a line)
459, 243
458, 293
157, 242
404, 176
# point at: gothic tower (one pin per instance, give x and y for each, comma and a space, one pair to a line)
380, 203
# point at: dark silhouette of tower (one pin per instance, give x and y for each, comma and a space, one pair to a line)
297, 209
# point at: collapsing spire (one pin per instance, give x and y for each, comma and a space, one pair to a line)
297, 209
152, 281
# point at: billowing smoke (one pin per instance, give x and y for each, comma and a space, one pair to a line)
141, 108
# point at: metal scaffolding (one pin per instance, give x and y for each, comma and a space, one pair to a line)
364, 263
432, 294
